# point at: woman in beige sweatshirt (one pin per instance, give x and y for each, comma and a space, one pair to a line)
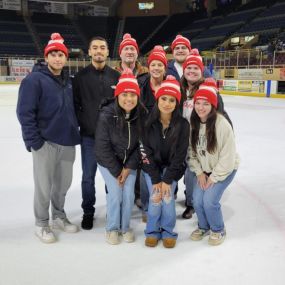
213, 158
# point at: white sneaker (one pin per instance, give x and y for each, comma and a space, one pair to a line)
129, 236
64, 225
45, 234
112, 237
217, 238
199, 234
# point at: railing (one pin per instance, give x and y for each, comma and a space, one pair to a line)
245, 59
73, 65
219, 60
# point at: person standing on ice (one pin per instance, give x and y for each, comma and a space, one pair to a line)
117, 154
50, 131
91, 85
213, 159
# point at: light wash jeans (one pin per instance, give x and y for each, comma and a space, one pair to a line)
120, 201
161, 217
207, 204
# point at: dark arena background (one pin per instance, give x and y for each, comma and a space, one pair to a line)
241, 41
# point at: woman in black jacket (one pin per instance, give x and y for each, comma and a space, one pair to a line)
117, 155
164, 147
149, 83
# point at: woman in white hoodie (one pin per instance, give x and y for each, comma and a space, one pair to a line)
213, 159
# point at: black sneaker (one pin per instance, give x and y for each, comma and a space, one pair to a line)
87, 222
189, 211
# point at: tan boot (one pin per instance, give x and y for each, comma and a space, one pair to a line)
151, 241
169, 242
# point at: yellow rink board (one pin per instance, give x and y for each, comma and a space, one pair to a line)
251, 94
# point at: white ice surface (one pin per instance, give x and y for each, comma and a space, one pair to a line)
253, 207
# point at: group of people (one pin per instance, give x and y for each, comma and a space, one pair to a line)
143, 127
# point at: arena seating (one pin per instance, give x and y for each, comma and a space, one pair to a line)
14, 35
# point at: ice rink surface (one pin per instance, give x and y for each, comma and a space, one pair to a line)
253, 206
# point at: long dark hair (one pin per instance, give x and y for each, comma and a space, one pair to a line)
184, 87
174, 127
210, 130
138, 113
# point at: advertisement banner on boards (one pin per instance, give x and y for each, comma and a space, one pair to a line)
258, 86
10, 5
230, 85
245, 85
21, 67
253, 74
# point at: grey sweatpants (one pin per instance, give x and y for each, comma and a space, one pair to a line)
53, 166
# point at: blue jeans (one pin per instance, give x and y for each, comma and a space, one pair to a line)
89, 167
189, 184
207, 204
120, 201
161, 217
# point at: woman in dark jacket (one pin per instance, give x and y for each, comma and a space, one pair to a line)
117, 155
149, 83
164, 147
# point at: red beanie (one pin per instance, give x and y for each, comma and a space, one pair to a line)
212, 82
207, 92
55, 43
127, 83
157, 53
170, 86
180, 40
128, 41
194, 58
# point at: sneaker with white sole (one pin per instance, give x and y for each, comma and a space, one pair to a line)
128, 236
64, 225
112, 237
45, 234
217, 238
199, 234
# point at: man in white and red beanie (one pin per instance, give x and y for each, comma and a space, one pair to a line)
181, 48
170, 86
50, 131
129, 51
56, 42
194, 58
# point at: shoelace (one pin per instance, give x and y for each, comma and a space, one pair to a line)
216, 235
46, 230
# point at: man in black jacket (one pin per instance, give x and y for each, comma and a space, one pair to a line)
90, 86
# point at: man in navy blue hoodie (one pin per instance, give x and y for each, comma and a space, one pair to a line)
50, 131
181, 48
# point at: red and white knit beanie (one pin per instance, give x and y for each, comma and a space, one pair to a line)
171, 87
207, 91
56, 42
157, 53
128, 41
127, 83
194, 58
180, 40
